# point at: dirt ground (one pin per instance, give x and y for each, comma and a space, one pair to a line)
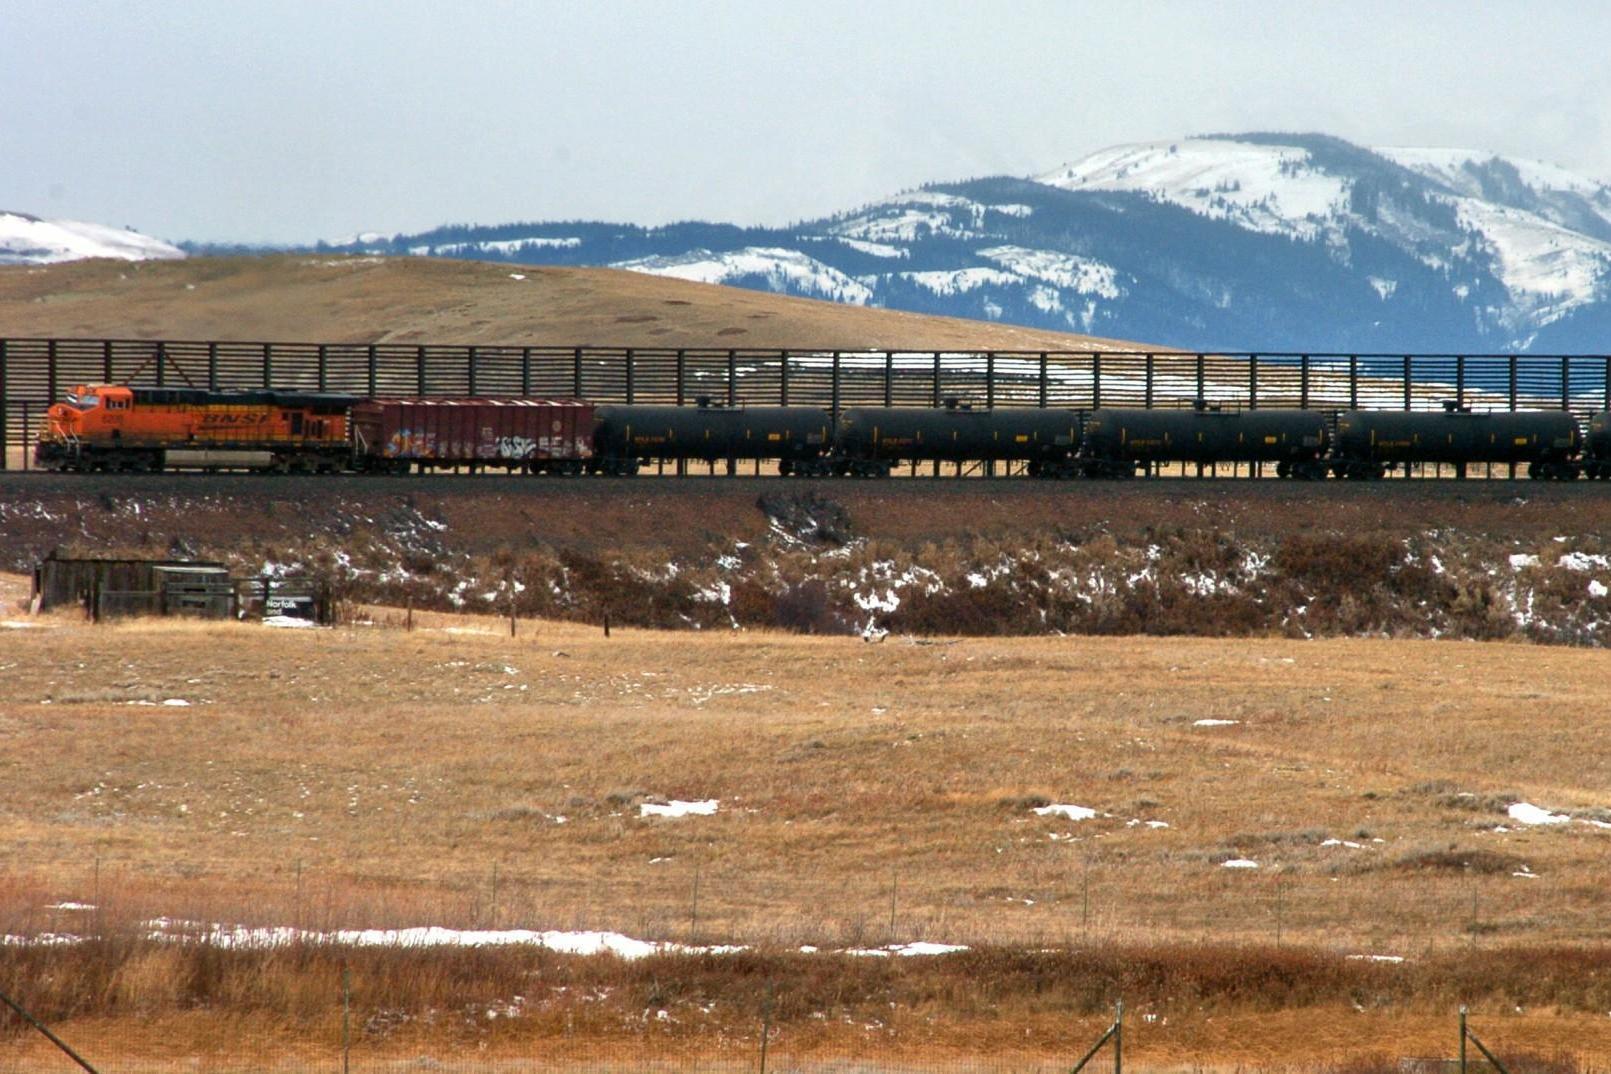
429, 300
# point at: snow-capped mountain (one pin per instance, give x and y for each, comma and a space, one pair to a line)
1245, 242
28, 240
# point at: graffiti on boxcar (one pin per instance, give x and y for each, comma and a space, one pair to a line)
516, 447
406, 443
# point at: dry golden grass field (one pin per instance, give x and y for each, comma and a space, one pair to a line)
429, 300
868, 793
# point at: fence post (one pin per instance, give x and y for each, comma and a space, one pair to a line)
1566, 383
346, 1020
374, 371
419, 370
682, 377
1149, 376
469, 369
1459, 381
732, 377
1200, 373
1353, 382
1042, 393
268, 365
106, 361
631, 377
783, 378
766, 1024
1118, 1037
50, 372
1513, 361
5, 439
834, 388
1303, 382
1462, 1040
1252, 382
936, 384
576, 372
1096, 380
1407, 401
889, 379
525, 371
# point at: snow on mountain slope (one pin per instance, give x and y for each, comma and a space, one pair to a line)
28, 240
1538, 229
788, 271
1269, 188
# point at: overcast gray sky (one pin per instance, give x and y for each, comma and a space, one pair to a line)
292, 120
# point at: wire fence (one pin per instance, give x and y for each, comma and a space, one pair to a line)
37, 372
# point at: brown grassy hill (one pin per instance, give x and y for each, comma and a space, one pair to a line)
372, 299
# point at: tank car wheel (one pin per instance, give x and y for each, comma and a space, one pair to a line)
785, 467
1283, 469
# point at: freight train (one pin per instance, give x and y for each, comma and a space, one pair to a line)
119, 428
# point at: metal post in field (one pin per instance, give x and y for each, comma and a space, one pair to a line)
5, 440
1462, 1040
631, 376
1118, 1037
1252, 382
419, 370
783, 378
469, 369
766, 1025
1353, 382
1303, 382
1096, 380
324, 368
1407, 383
525, 371
693, 907
268, 365
1150, 362
373, 371
990, 380
889, 379
1042, 393
346, 1020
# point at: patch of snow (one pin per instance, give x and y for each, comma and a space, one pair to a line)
1521, 559
906, 950
702, 808
1069, 812
176, 703
288, 622
1061, 270
1239, 863
1527, 813
788, 271
1210, 722
29, 240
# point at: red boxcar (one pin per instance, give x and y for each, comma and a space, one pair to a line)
533, 435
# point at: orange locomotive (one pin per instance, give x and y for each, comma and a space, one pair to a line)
113, 427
